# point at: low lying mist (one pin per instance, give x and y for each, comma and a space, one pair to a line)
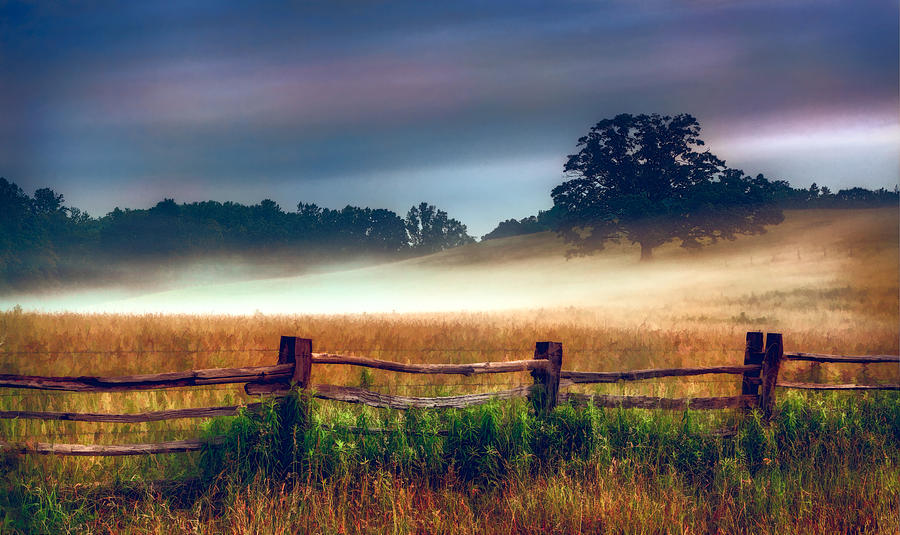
812, 250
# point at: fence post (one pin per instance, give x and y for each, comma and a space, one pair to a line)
752, 355
546, 382
297, 351
769, 376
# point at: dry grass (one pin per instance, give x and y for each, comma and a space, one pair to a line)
621, 496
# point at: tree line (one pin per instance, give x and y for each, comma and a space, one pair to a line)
785, 197
42, 239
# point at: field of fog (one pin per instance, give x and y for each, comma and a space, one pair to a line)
813, 250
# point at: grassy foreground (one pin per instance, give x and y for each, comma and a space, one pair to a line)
827, 464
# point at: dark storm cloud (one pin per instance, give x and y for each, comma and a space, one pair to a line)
387, 103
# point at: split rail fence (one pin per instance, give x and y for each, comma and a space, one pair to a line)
294, 370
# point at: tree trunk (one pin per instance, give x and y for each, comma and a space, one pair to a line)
646, 252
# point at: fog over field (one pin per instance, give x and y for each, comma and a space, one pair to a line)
813, 250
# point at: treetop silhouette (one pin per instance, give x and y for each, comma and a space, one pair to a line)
646, 179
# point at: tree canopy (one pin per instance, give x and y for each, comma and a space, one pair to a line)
431, 230
647, 179
544, 220
43, 241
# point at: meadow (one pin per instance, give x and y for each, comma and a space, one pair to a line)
830, 462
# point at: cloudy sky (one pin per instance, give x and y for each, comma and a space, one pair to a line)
472, 106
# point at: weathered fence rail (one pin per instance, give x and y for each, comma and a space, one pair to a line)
821, 386
92, 450
459, 369
638, 375
133, 418
650, 402
849, 359
293, 370
351, 394
214, 376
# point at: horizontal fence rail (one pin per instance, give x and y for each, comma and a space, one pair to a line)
637, 375
849, 359
825, 386
460, 369
151, 381
759, 374
374, 399
350, 394
93, 450
650, 402
156, 416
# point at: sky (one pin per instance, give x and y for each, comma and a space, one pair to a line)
472, 106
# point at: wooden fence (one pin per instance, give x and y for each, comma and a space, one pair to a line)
293, 369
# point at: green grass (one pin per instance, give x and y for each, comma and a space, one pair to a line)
825, 462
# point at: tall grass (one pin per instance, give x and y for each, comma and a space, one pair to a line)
827, 462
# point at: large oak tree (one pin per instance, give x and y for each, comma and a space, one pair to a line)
647, 179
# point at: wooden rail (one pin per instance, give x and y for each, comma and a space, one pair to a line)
459, 369
350, 394
848, 359
44, 448
637, 375
294, 370
374, 399
214, 376
649, 402
825, 386
202, 412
